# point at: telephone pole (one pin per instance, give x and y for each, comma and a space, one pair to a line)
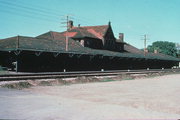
67, 38
145, 43
67, 28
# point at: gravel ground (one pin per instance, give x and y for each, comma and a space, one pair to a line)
149, 98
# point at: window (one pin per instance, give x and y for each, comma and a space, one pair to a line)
82, 42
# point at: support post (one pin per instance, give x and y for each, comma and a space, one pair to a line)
67, 18
17, 67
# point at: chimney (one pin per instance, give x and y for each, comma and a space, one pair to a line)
121, 37
70, 24
146, 50
79, 25
155, 51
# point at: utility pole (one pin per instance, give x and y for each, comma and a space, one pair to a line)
67, 20
67, 28
145, 42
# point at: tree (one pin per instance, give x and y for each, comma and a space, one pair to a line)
178, 49
165, 47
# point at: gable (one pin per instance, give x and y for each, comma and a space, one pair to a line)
109, 33
98, 31
45, 35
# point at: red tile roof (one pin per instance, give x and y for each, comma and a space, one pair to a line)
81, 33
56, 42
52, 35
131, 49
97, 32
58, 46
70, 34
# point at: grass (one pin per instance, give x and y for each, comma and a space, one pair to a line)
152, 75
19, 85
128, 78
63, 82
107, 80
45, 83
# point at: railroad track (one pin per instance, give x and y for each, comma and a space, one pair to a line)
54, 75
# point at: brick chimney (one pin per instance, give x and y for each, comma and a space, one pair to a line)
70, 24
121, 37
156, 51
79, 25
146, 50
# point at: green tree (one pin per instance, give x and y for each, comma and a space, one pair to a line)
178, 49
165, 47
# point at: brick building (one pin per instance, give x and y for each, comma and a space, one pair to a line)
87, 48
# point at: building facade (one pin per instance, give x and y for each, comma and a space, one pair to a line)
81, 48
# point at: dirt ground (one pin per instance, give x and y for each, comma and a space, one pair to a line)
148, 98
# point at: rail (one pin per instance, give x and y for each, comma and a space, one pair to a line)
54, 75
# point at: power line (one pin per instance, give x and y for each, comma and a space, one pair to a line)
28, 15
84, 22
45, 12
38, 13
42, 8
20, 10
41, 11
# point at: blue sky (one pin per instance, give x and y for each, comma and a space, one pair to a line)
159, 19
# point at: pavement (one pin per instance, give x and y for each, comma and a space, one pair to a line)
147, 98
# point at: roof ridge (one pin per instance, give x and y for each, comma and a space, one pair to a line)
23, 36
55, 32
91, 26
51, 34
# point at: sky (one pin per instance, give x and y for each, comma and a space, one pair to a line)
158, 19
